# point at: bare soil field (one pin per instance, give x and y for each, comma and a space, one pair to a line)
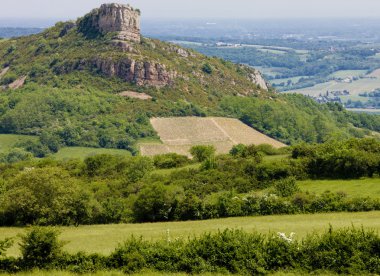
180, 134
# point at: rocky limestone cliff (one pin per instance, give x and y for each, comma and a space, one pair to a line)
122, 19
138, 72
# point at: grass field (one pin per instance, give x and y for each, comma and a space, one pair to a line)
362, 110
8, 141
294, 80
104, 238
82, 153
348, 73
181, 133
353, 188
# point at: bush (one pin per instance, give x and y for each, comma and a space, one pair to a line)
15, 155
8, 79
202, 153
40, 248
156, 202
269, 149
4, 245
206, 68
170, 160
286, 187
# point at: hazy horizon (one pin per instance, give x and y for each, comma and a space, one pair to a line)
52, 10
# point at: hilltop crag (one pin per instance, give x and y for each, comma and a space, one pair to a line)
109, 18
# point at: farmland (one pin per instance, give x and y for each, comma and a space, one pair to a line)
180, 134
366, 84
104, 238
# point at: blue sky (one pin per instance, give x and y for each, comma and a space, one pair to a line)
170, 9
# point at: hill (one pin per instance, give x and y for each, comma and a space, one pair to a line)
67, 85
180, 134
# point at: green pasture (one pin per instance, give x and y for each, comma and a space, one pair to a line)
348, 73
104, 238
294, 80
8, 141
367, 187
82, 153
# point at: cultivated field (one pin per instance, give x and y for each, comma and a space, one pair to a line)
362, 110
367, 84
180, 134
104, 238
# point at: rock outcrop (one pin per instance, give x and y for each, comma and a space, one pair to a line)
118, 18
256, 77
138, 72
3, 72
17, 83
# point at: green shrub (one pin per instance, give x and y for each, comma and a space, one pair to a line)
286, 187
202, 153
40, 248
8, 79
207, 68
170, 160
156, 202
15, 155
268, 149
4, 245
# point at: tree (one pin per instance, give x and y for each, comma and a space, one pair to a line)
43, 197
201, 153
156, 202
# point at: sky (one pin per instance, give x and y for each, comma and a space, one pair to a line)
188, 9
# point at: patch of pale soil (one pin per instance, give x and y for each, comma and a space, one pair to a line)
135, 95
18, 83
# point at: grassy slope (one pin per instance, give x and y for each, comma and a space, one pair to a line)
82, 153
8, 141
356, 187
104, 238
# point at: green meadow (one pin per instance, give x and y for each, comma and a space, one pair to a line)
104, 238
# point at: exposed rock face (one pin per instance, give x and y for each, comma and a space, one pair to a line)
258, 79
3, 72
122, 19
124, 46
138, 72
17, 83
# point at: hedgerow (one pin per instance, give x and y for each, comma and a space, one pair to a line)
343, 251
